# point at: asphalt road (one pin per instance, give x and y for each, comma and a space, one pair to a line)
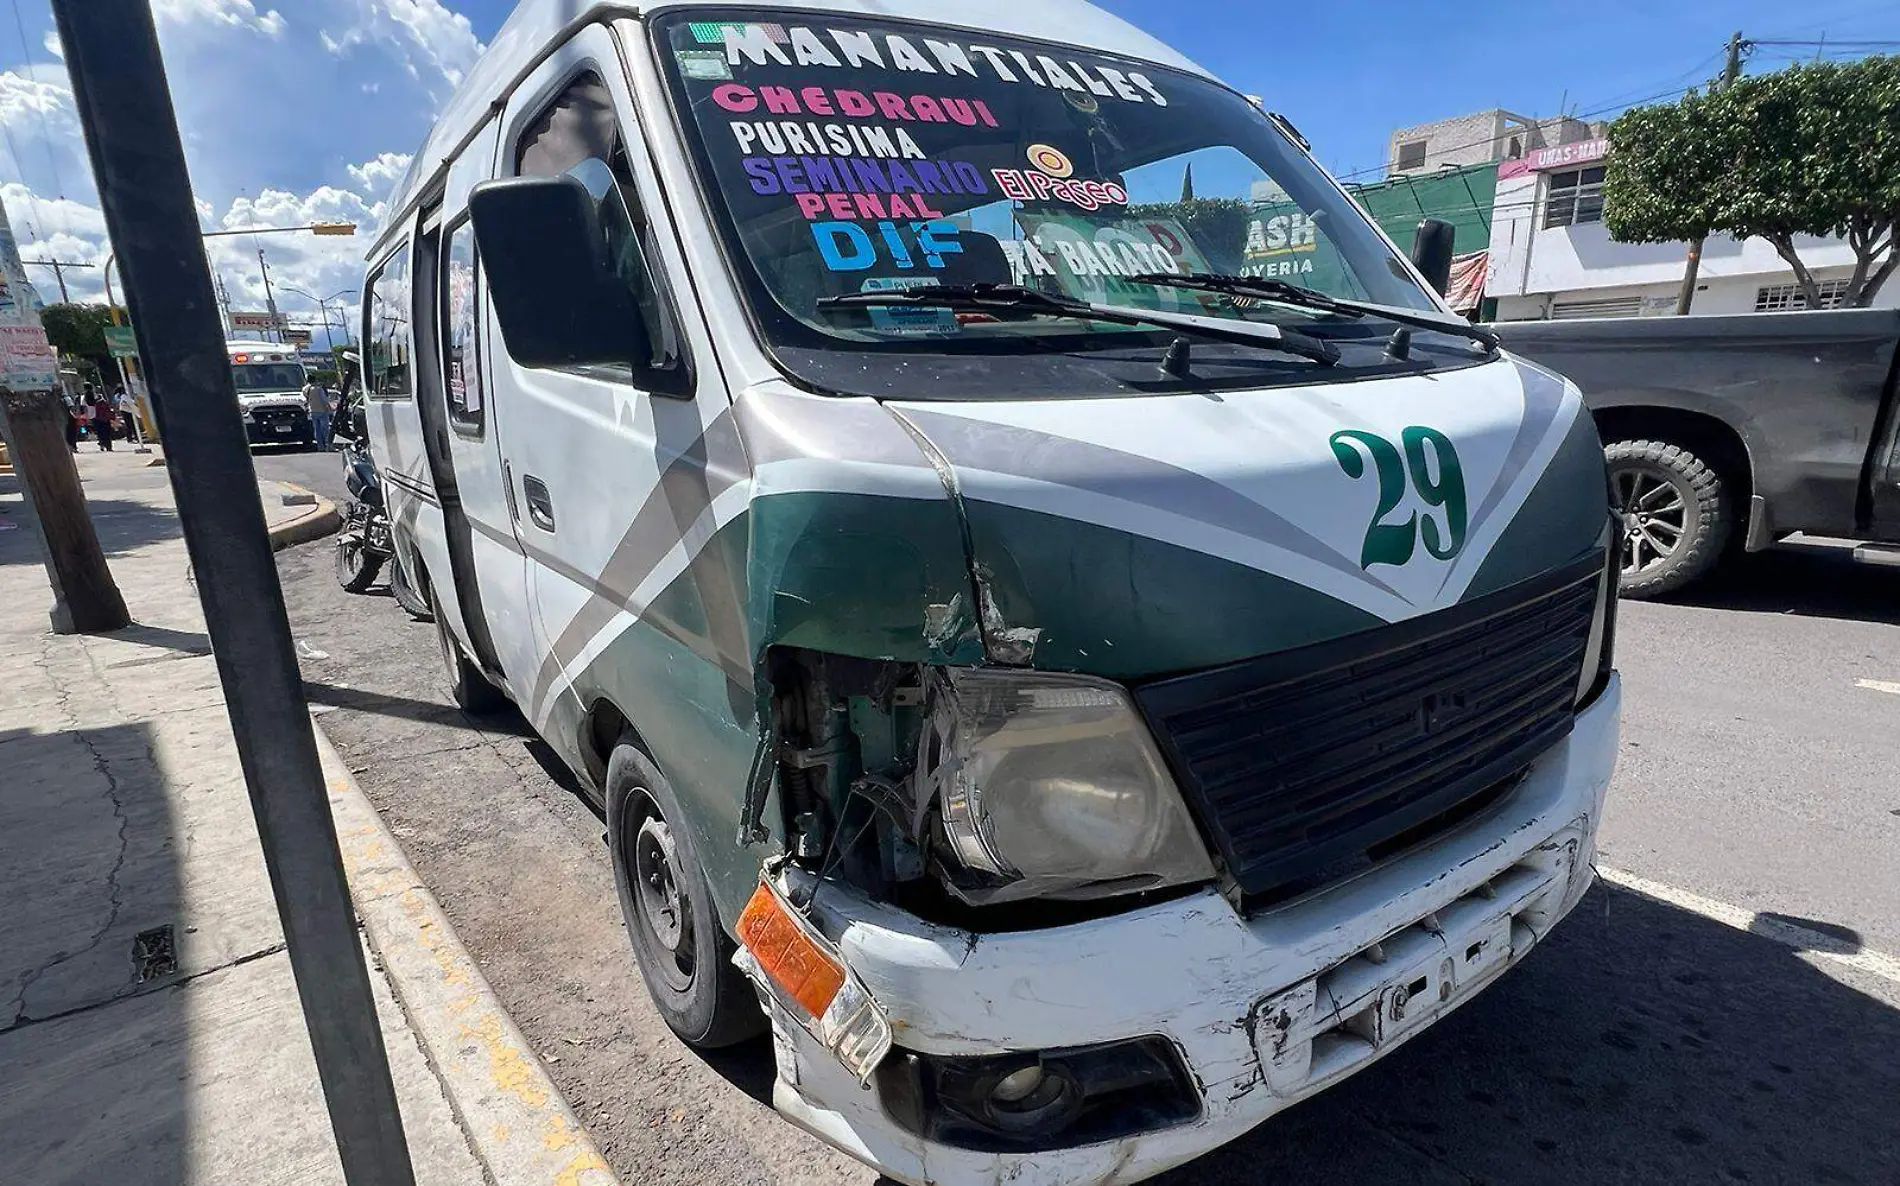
1643, 1042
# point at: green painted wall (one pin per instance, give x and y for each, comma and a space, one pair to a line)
1461, 197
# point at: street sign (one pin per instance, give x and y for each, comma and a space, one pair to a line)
256, 321
27, 361
122, 341
297, 337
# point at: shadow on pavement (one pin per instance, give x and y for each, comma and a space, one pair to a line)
1810, 578
89, 861
123, 526
423, 711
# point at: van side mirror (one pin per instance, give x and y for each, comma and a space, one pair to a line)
1432, 250
545, 257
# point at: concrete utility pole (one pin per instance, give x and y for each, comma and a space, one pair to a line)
270, 302
1730, 73
138, 161
59, 267
34, 423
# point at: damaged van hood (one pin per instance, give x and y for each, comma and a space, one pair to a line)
1139, 536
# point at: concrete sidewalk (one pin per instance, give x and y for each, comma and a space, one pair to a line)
149, 1025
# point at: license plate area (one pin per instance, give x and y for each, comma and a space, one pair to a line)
1325, 1027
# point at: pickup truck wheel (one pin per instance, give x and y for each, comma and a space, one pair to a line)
684, 954
1677, 517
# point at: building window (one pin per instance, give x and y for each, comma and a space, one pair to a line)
1779, 298
1412, 156
1576, 197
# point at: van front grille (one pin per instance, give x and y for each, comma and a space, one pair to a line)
1308, 765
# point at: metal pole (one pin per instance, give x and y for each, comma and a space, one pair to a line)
1692, 271
138, 161
270, 302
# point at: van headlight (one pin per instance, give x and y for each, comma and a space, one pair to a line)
1051, 786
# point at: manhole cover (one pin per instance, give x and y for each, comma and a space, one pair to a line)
154, 953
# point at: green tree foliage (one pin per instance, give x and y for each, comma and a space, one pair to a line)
79, 331
1218, 226
1809, 151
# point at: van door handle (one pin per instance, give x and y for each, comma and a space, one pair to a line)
540, 504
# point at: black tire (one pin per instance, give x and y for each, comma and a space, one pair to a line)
1666, 493
356, 569
468, 687
405, 592
687, 965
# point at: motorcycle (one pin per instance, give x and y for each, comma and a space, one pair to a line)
364, 546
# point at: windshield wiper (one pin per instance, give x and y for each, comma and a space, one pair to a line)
1293, 294
1005, 300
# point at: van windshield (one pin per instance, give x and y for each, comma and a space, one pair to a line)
255, 377
848, 156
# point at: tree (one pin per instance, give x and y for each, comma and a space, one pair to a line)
1218, 226
1813, 150
79, 331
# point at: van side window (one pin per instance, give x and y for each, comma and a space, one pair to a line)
388, 332
578, 135
461, 364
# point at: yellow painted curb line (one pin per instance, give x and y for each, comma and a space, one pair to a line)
520, 1128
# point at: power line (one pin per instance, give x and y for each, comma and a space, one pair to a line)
46, 136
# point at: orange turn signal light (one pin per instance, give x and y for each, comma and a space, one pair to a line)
802, 970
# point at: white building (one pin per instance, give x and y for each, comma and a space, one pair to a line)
1551, 255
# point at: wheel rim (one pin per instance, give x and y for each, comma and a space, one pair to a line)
1655, 520
349, 560
665, 909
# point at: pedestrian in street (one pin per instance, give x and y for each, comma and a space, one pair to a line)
103, 414
317, 400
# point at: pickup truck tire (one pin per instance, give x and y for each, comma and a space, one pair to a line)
1677, 516
684, 953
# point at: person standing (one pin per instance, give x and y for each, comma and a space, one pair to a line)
317, 400
102, 417
73, 412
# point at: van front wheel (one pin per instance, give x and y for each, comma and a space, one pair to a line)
684, 954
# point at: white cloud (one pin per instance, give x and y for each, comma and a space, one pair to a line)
424, 34
240, 14
53, 44
376, 177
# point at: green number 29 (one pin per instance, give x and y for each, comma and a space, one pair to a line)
1394, 542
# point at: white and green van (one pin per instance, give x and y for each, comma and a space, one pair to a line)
1067, 629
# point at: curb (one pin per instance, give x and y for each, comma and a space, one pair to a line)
320, 520
513, 1116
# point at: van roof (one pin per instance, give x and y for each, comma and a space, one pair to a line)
536, 24
244, 347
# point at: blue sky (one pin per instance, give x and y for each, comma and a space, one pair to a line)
295, 110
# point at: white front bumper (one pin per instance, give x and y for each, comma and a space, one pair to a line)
1266, 1010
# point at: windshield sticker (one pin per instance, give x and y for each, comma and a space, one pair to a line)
1051, 160
706, 65
839, 49
1040, 187
889, 105
848, 247
904, 321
